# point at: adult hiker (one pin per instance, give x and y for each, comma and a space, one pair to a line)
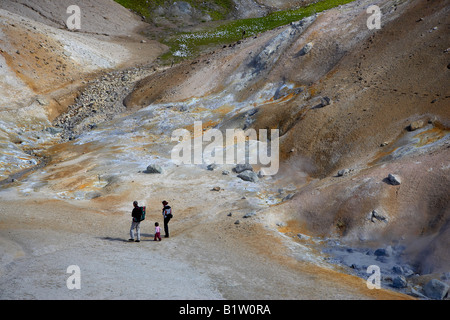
136, 222
167, 214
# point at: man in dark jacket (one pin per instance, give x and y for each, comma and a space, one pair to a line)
167, 214
136, 222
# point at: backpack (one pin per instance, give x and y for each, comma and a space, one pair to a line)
143, 214
169, 213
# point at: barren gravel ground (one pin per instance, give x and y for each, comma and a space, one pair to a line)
75, 208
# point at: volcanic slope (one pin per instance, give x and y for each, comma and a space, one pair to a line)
329, 84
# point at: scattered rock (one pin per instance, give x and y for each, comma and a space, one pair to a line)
416, 125
407, 271
153, 168
237, 222
248, 215
399, 282
243, 167
248, 175
303, 236
416, 292
100, 101
229, 215
215, 189
378, 215
384, 252
436, 289
306, 49
343, 172
324, 101
394, 179
225, 172
53, 130
211, 167
397, 270
288, 197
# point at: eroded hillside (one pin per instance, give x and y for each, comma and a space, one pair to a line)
85, 113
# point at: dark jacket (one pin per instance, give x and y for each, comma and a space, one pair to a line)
136, 214
167, 212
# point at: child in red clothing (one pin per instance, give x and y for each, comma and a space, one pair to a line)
157, 232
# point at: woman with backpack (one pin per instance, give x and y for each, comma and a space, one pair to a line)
167, 214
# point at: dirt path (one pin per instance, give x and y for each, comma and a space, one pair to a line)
205, 258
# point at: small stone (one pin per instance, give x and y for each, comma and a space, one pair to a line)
225, 172
324, 101
378, 215
243, 167
211, 167
248, 176
416, 292
416, 125
399, 282
383, 252
237, 222
303, 236
215, 189
53, 130
343, 172
248, 215
394, 179
407, 271
288, 197
306, 49
153, 168
397, 270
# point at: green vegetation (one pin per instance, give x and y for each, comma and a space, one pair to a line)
141, 7
189, 44
217, 9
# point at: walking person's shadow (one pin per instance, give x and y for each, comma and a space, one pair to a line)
143, 235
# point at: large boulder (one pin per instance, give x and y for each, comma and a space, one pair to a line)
436, 289
242, 167
248, 175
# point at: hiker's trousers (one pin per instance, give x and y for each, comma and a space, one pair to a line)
166, 226
137, 226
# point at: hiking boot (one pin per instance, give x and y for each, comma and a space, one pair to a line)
138, 241
131, 240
